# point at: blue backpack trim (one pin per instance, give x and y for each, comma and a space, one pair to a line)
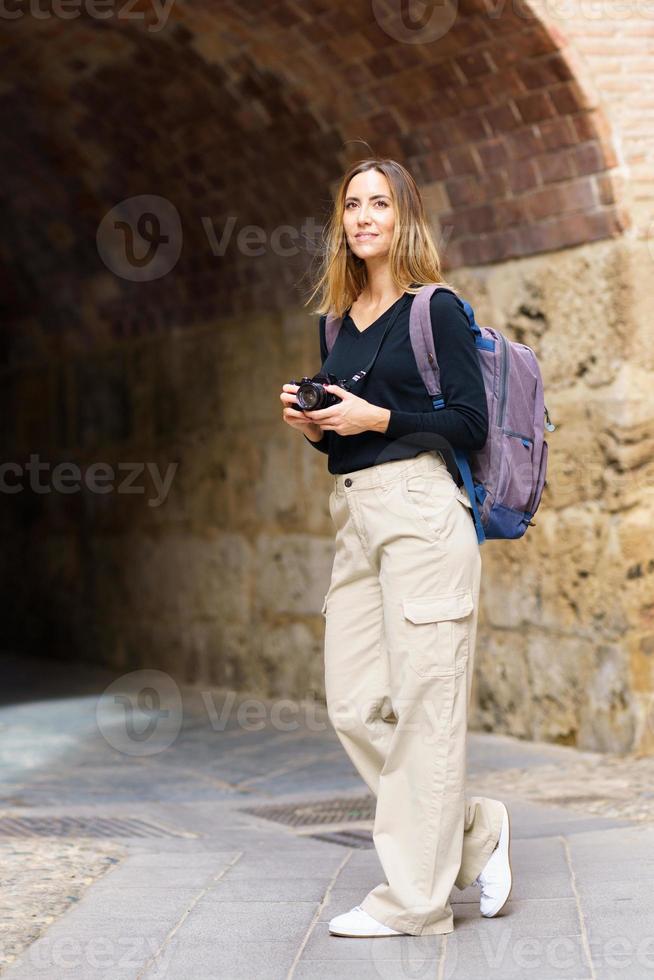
484, 344
463, 465
460, 456
464, 470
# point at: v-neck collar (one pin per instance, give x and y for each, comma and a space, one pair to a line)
360, 333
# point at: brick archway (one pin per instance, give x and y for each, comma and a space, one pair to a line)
497, 117
247, 110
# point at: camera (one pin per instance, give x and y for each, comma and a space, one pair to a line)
311, 395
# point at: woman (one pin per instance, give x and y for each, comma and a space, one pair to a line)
401, 608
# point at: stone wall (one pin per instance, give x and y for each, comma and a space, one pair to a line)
219, 576
204, 545
565, 643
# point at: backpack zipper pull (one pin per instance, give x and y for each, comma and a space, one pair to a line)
549, 425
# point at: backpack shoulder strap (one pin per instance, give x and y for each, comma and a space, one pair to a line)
422, 338
420, 329
422, 341
332, 326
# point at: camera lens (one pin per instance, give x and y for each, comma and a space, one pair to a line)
310, 397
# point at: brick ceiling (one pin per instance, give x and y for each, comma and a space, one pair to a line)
244, 109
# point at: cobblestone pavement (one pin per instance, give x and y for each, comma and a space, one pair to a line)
41, 878
184, 883
608, 785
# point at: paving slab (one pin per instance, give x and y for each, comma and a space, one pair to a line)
214, 891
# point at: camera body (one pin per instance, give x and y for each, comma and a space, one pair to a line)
311, 395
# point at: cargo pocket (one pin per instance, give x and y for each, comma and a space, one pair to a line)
437, 632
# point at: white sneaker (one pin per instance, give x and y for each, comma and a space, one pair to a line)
357, 922
496, 879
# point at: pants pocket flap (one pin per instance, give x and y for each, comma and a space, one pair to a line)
434, 608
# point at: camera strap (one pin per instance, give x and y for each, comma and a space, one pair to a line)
361, 374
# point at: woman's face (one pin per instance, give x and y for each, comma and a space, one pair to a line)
368, 212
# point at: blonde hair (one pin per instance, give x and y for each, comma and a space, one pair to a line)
413, 256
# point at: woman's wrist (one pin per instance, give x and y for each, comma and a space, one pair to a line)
314, 433
380, 419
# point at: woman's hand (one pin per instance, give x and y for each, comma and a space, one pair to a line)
351, 415
295, 418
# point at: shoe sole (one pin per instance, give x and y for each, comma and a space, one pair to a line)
490, 915
367, 935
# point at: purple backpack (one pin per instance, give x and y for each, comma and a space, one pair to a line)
504, 480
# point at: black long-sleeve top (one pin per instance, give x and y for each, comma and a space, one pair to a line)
394, 382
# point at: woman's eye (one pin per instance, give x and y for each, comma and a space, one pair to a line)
352, 204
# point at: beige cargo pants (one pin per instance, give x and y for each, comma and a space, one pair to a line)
400, 628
